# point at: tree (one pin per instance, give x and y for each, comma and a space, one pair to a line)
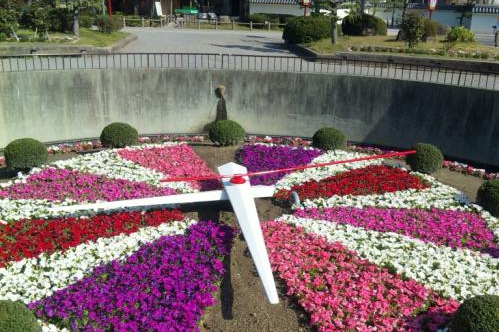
9, 16
466, 10
413, 28
75, 6
38, 17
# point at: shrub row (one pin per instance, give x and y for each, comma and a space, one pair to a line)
441, 52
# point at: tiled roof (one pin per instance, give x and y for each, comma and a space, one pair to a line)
276, 2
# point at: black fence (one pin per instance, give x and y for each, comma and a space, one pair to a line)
415, 72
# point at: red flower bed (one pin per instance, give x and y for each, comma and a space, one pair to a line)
375, 179
30, 238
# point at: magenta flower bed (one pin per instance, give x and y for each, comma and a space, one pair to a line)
178, 161
262, 158
344, 293
456, 229
162, 287
59, 184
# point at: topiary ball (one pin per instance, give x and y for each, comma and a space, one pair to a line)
15, 317
477, 314
25, 153
328, 138
488, 196
119, 135
427, 159
226, 133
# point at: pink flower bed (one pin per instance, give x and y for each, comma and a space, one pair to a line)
342, 292
174, 161
456, 229
59, 184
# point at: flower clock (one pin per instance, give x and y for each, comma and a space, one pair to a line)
370, 247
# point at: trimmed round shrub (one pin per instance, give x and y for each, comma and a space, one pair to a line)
226, 133
460, 35
15, 317
119, 135
300, 30
488, 196
363, 25
427, 159
477, 314
328, 138
25, 153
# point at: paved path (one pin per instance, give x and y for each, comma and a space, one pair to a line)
485, 39
171, 40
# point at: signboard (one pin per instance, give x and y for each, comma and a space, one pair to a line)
159, 11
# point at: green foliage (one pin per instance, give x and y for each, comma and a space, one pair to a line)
488, 196
226, 133
3, 37
477, 314
427, 159
38, 18
301, 30
259, 18
107, 24
272, 18
25, 153
86, 21
433, 29
363, 25
328, 138
15, 317
430, 28
9, 20
413, 27
119, 135
59, 20
460, 35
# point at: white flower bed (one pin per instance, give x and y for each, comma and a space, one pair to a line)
457, 273
35, 278
323, 172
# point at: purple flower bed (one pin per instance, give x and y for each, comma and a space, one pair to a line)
262, 158
164, 286
59, 184
456, 229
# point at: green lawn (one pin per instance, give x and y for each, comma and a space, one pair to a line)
347, 42
87, 37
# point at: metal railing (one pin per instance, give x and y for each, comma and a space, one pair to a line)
414, 72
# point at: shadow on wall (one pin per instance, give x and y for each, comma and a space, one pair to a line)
221, 113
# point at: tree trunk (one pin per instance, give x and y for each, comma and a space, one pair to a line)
76, 22
404, 10
334, 30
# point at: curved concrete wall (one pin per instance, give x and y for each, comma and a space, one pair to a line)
58, 105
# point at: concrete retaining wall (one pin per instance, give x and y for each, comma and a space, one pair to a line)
58, 105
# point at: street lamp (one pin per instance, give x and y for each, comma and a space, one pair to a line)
432, 4
304, 4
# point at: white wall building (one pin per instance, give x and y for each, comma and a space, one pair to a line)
283, 7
